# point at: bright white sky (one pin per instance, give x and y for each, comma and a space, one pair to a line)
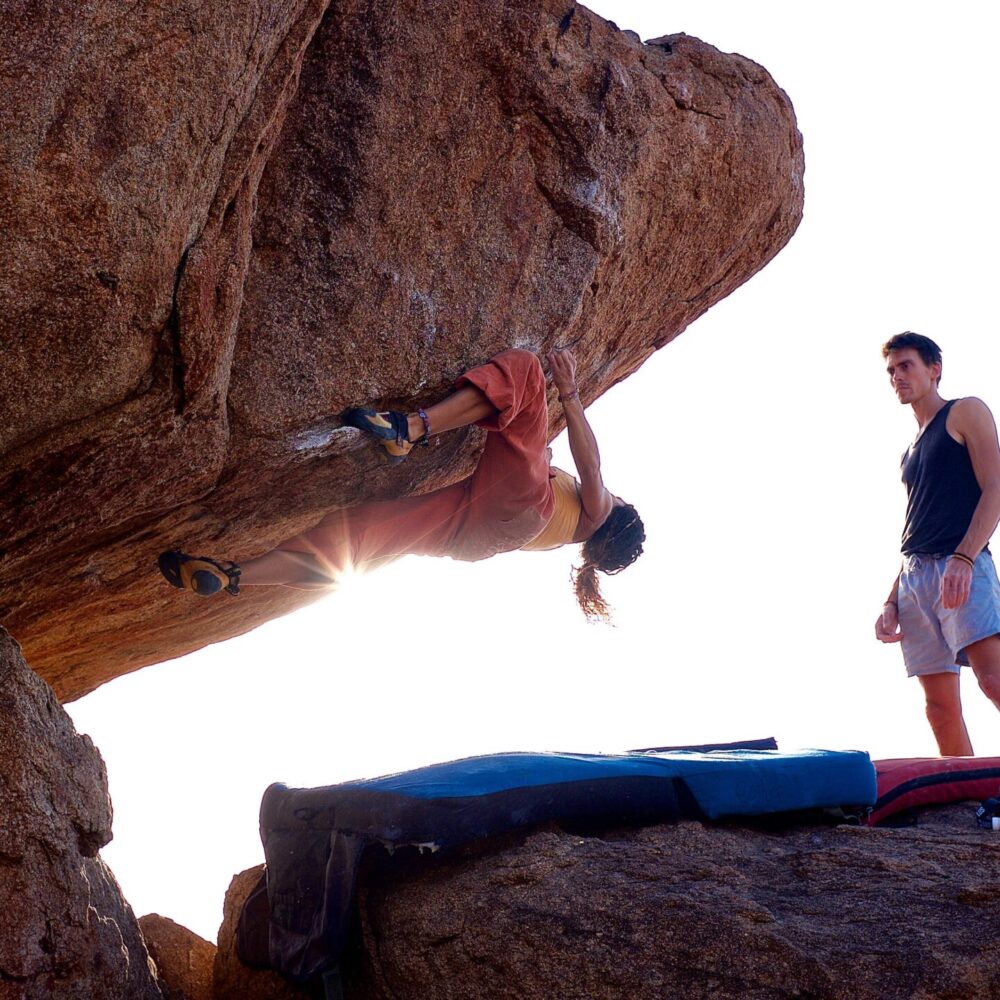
761, 447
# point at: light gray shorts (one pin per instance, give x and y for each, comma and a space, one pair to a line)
934, 637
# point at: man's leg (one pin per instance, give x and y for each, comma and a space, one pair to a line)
944, 713
984, 658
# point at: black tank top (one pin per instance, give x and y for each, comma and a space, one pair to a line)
941, 490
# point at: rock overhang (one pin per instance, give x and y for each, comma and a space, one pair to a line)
300, 207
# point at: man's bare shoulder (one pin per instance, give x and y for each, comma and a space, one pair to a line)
969, 415
970, 408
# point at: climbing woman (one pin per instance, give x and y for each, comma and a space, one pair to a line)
513, 500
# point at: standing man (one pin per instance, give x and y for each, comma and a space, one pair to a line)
945, 604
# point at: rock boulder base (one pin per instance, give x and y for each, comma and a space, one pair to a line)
184, 961
65, 930
843, 913
692, 911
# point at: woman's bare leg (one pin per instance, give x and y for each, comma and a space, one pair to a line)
461, 408
302, 570
284, 569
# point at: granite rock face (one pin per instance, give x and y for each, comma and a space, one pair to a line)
225, 223
65, 930
184, 961
843, 913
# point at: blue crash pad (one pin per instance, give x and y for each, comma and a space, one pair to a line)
723, 783
314, 838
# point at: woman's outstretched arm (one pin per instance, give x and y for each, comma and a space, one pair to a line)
595, 498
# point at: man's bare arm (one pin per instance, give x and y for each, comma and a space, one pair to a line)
972, 424
887, 623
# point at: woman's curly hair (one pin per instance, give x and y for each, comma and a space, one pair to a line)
615, 545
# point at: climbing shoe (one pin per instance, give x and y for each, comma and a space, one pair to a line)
390, 428
199, 573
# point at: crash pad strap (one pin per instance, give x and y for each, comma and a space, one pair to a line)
333, 985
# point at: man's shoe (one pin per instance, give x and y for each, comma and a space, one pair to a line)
200, 574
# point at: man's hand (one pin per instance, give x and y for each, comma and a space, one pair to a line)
887, 624
956, 584
562, 362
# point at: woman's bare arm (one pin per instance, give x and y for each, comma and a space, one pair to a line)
595, 498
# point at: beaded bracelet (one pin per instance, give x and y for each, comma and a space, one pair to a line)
426, 422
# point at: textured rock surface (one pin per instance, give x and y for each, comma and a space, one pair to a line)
225, 223
65, 931
233, 980
687, 911
184, 961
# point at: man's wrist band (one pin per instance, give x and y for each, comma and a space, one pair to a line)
893, 603
964, 558
569, 395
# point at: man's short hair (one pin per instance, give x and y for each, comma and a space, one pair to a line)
929, 352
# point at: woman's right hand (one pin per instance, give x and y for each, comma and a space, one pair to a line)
562, 362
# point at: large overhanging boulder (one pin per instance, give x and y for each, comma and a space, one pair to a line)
225, 223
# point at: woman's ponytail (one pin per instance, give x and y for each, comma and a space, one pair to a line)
615, 545
588, 593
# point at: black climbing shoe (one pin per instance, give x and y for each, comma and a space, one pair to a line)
390, 428
199, 573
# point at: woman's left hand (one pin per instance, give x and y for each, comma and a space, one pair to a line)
562, 362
